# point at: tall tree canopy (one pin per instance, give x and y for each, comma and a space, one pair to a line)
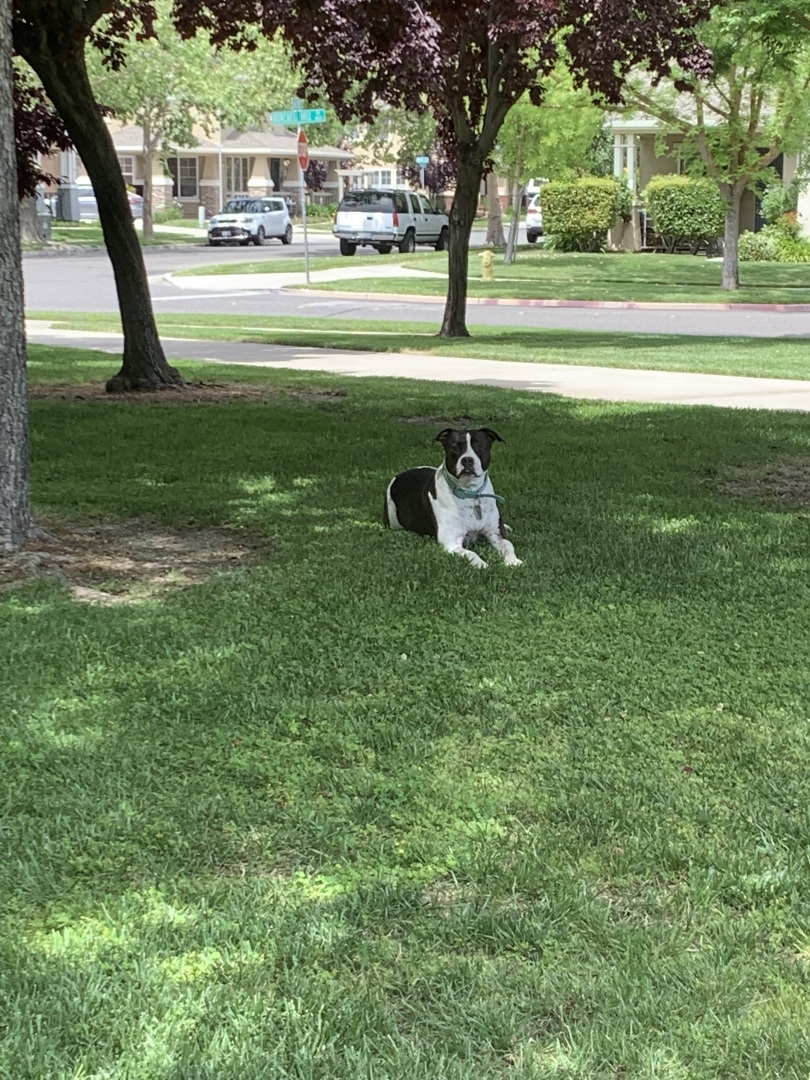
467, 61
753, 106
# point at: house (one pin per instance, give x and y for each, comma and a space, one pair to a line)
638, 156
226, 163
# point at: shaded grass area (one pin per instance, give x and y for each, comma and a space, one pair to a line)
363, 812
780, 358
548, 275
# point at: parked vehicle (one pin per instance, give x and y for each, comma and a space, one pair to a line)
387, 218
534, 220
88, 208
244, 220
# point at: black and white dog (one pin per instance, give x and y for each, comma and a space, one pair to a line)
454, 503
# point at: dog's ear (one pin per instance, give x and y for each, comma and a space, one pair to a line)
443, 436
493, 435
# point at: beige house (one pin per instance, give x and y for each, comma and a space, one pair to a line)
636, 158
226, 164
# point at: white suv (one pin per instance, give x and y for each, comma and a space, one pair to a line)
246, 219
387, 218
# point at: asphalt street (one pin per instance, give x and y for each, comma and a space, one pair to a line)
84, 282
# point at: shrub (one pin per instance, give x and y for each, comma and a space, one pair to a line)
758, 247
578, 213
774, 243
321, 211
777, 199
167, 213
787, 226
684, 210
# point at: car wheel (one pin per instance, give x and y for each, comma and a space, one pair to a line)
287, 237
258, 239
245, 242
347, 247
385, 249
532, 238
214, 243
443, 243
408, 243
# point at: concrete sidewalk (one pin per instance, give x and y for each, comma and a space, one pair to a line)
595, 383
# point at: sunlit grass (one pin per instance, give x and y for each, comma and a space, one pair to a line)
780, 358
362, 812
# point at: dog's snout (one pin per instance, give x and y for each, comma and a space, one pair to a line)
467, 464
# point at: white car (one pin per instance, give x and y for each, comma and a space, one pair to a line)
388, 218
246, 220
534, 220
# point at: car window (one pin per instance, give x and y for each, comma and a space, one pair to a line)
276, 204
402, 203
368, 201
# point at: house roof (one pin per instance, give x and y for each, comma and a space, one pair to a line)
277, 142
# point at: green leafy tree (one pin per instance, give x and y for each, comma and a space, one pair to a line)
754, 106
168, 84
552, 140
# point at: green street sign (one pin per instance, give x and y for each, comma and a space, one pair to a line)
293, 117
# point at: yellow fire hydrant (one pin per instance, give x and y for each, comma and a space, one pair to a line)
486, 266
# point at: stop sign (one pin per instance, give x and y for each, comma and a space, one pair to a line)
303, 149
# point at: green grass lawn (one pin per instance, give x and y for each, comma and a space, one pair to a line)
89, 234
544, 275
783, 358
361, 811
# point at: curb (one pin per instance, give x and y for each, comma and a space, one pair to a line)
481, 301
495, 301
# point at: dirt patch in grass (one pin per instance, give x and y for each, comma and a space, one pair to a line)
786, 481
191, 393
128, 561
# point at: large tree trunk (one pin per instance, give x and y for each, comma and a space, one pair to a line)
67, 85
462, 215
15, 504
731, 237
495, 215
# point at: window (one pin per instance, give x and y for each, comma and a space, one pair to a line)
237, 174
385, 177
127, 163
367, 201
184, 174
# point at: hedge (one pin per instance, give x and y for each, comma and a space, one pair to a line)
685, 211
578, 213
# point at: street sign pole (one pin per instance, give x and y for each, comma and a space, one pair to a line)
303, 161
422, 161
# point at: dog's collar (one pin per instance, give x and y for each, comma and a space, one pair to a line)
466, 493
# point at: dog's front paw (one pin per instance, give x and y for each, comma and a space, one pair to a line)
513, 560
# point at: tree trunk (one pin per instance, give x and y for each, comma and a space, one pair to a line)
67, 85
495, 216
514, 224
148, 165
731, 237
462, 215
15, 496
30, 230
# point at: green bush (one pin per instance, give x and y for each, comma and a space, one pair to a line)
167, 213
758, 247
578, 213
685, 211
321, 211
778, 199
779, 242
